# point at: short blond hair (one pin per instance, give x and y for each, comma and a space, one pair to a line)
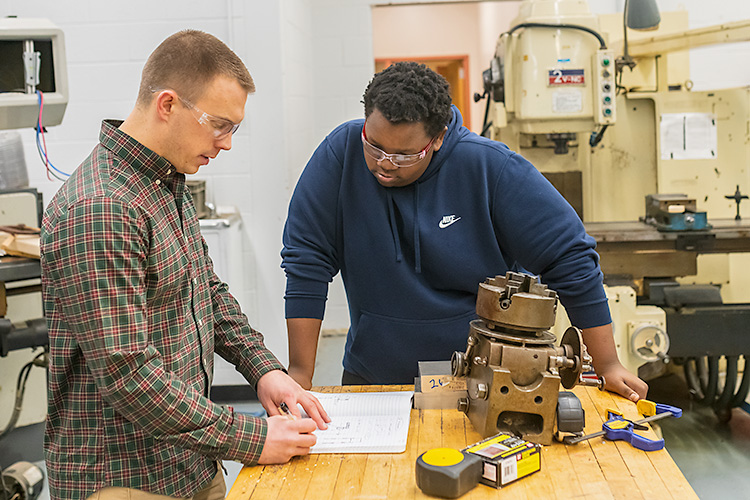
187, 62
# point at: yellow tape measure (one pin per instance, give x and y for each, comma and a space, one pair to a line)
447, 473
444, 457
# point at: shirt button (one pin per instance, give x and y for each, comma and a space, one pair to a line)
169, 171
200, 322
195, 281
158, 182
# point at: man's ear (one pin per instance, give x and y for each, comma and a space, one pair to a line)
439, 140
165, 102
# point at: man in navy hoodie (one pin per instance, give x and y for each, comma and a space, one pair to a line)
415, 211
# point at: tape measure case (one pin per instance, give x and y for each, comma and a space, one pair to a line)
506, 458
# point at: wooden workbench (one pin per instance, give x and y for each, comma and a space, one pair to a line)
596, 468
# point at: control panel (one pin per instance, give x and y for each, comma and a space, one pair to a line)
604, 87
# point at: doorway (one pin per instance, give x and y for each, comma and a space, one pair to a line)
455, 69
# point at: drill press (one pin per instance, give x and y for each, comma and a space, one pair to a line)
512, 366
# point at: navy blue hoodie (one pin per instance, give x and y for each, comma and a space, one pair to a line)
412, 257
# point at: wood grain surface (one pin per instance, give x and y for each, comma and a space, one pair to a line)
593, 469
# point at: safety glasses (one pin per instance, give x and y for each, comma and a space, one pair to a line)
397, 160
220, 127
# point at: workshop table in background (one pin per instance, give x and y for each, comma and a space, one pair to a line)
596, 468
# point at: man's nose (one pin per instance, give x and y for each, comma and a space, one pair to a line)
225, 142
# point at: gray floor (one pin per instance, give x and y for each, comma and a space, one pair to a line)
714, 457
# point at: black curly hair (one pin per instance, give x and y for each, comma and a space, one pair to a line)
410, 92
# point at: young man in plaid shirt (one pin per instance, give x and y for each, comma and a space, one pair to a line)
135, 311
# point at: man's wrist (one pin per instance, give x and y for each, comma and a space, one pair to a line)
249, 439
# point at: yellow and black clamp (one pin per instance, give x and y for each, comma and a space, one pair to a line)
448, 473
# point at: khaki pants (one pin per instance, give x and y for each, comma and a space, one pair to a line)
216, 490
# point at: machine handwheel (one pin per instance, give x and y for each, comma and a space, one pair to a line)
650, 343
573, 338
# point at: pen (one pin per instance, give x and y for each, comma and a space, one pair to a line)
284, 409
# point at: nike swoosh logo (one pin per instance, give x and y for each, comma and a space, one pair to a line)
448, 220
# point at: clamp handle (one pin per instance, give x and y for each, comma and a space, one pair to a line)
649, 408
618, 428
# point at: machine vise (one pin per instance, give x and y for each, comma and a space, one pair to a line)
512, 366
674, 212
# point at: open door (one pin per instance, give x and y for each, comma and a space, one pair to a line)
455, 69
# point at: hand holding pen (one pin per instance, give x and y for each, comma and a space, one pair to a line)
276, 387
284, 410
287, 436
287, 433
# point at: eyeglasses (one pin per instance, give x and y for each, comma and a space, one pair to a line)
397, 160
220, 127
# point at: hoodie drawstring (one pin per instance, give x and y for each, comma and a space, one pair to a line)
392, 221
394, 230
417, 251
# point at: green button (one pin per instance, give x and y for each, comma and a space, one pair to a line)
607, 99
605, 61
607, 112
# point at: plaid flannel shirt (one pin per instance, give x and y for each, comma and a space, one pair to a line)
135, 313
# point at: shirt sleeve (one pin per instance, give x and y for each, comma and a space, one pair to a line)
539, 229
235, 340
97, 260
309, 256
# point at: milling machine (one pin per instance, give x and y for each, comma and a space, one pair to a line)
512, 366
562, 77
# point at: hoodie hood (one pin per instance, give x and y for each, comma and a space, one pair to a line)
456, 131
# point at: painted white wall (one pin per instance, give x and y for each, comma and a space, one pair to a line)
311, 60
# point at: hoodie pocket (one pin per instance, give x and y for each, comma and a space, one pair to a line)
386, 350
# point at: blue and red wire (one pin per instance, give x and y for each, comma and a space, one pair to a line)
41, 146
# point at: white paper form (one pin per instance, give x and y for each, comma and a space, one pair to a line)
364, 422
688, 136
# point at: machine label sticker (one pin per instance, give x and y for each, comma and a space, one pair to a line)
567, 101
565, 77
